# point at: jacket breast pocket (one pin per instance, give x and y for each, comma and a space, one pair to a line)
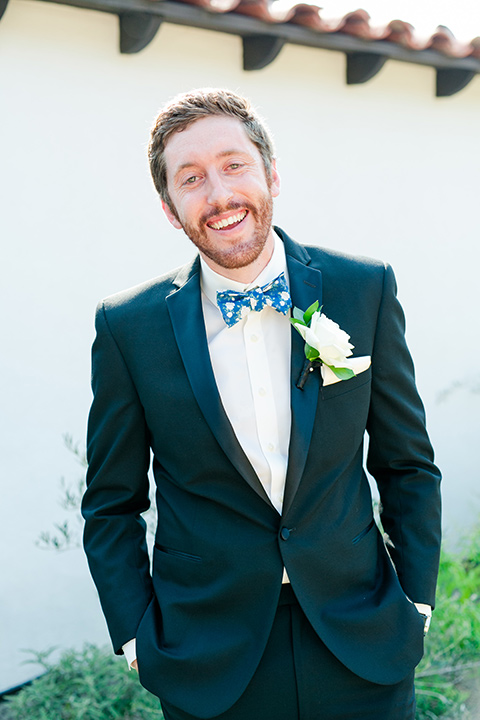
342, 387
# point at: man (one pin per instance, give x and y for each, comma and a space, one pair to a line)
272, 594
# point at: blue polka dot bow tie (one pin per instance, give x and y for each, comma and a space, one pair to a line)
235, 305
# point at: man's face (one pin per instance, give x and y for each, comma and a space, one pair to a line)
220, 193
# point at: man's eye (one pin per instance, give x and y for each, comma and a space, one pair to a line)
234, 166
190, 180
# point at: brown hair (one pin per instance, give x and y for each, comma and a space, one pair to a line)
186, 109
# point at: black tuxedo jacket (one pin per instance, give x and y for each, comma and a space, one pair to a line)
202, 617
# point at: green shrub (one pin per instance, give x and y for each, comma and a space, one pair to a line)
448, 678
91, 684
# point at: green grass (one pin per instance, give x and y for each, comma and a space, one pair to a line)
91, 684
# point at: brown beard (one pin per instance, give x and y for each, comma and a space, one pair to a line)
244, 253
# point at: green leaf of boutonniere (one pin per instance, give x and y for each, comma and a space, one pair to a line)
311, 353
307, 315
342, 373
298, 315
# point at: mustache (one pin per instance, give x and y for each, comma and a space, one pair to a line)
231, 206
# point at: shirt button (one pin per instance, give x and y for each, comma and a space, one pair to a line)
262, 392
254, 338
271, 447
284, 533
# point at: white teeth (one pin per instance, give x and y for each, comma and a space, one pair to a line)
228, 221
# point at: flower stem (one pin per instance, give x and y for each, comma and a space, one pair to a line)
306, 370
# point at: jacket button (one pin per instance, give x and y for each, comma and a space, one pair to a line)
284, 533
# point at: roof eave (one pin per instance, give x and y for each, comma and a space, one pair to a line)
262, 41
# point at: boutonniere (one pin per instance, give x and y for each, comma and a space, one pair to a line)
327, 346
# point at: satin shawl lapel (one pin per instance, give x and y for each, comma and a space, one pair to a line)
185, 308
305, 288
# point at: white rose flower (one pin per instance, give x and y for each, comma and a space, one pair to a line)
326, 336
326, 346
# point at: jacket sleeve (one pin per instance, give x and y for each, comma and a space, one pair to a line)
400, 455
117, 491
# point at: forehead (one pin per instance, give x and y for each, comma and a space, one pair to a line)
207, 139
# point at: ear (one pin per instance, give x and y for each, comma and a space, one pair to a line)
171, 217
275, 180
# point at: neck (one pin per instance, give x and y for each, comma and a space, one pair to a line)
248, 273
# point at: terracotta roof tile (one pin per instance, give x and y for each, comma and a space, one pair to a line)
444, 41
475, 43
402, 33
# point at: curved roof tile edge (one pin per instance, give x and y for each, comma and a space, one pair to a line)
356, 23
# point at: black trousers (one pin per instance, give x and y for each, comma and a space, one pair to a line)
298, 678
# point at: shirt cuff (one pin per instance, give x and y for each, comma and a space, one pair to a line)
424, 609
130, 652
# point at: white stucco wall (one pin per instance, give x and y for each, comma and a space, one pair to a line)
382, 169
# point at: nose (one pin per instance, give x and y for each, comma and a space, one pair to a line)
219, 191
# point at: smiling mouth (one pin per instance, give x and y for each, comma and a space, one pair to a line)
228, 222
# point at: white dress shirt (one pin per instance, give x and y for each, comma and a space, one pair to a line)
251, 364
